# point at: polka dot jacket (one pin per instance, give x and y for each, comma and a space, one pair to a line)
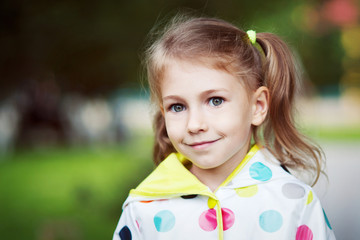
259, 200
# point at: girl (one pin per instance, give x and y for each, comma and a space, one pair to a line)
216, 88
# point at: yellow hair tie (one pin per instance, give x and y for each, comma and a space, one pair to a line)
252, 36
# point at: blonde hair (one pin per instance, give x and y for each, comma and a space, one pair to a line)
223, 46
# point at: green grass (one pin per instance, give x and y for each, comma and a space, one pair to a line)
334, 134
68, 193
77, 192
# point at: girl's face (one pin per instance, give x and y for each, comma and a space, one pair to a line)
209, 115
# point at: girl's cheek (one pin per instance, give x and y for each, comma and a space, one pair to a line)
171, 128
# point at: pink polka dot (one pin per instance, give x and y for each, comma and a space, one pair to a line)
304, 233
228, 218
207, 220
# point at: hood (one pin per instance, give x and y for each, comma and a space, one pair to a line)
172, 179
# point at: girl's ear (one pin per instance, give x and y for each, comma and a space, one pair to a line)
260, 105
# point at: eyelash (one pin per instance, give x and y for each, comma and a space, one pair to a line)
211, 101
172, 108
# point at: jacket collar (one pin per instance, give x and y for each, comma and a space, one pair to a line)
171, 178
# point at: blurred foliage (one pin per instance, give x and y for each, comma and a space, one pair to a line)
68, 193
337, 134
94, 47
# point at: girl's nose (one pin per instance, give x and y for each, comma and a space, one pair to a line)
196, 122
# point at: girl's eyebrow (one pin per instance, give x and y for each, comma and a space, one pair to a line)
172, 97
203, 94
213, 91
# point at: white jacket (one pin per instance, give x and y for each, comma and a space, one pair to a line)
259, 200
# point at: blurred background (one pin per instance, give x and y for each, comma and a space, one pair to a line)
75, 121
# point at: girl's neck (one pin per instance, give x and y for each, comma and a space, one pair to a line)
213, 178
210, 177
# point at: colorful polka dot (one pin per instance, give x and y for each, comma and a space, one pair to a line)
207, 220
125, 233
310, 198
327, 220
304, 233
164, 221
191, 196
259, 171
270, 221
293, 191
228, 218
247, 191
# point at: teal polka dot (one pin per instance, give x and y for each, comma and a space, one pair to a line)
259, 171
164, 221
327, 220
270, 221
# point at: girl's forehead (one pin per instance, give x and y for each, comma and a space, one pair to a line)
177, 72
211, 63
187, 76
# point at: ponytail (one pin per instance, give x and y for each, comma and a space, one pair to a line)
279, 133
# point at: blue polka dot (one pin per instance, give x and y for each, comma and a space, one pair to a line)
270, 221
164, 221
327, 220
125, 233
259, 171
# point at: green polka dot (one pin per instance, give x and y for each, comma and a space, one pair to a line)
310, 198
247, 191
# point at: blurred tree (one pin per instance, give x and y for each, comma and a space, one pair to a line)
94, 47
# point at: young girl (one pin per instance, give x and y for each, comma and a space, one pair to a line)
225, 137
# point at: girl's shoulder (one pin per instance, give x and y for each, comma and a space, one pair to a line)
264, 168
265, 177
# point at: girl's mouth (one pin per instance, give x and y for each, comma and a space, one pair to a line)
202, 145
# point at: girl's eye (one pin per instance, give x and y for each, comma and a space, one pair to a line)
216, 101
177, 108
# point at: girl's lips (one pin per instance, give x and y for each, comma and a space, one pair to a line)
202, 145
